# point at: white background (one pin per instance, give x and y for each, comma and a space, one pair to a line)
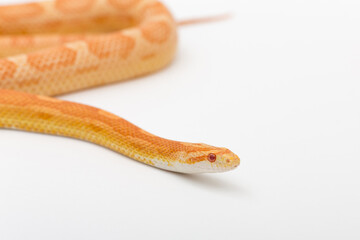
278, 84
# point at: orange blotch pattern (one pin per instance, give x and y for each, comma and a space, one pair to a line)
7, 69
48, 60
156, 32
87, 69
114, 45
148, 56
123, 4
13, 13
52, 24
28, 82
194, 160
72, 6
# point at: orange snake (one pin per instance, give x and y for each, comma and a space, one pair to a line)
52, 48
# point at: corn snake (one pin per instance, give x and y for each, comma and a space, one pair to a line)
52, 48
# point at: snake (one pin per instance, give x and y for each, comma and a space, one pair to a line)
56, 47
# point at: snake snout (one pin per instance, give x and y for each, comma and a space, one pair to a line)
233, 160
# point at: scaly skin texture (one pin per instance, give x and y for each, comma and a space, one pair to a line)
53, 48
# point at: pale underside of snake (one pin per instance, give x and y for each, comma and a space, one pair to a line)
52, 48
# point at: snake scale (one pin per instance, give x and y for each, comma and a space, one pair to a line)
52, 48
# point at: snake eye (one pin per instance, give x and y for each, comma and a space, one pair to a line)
211, 157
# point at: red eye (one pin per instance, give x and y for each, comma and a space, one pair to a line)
211, 157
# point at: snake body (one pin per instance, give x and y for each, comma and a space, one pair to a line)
52, 48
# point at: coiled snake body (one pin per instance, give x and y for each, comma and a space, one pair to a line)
52, 48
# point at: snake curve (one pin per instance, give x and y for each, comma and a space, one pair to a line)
52, 48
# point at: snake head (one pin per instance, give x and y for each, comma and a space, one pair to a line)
205, 159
